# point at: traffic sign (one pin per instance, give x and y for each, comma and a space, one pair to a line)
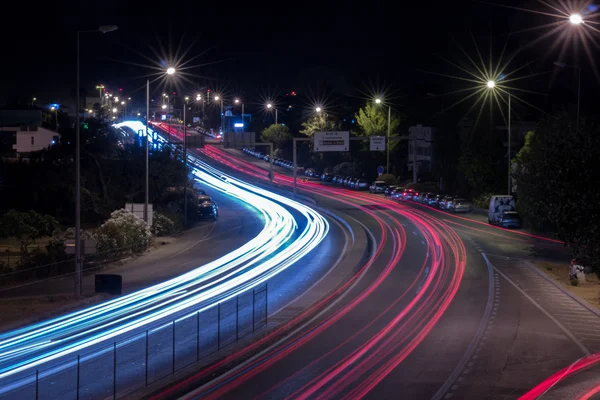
380, 170
377, 143
332, 141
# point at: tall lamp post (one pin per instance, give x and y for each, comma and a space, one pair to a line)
78, 264
563, 65
220, 99
387, 138
491, 85
271, 106
238, 101
55, 109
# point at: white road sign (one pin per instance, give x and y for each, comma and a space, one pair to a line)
377, 143
332, 141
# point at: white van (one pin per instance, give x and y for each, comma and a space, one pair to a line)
499, 204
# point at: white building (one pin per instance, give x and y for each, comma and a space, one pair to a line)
422, 138
31, 138
21, 131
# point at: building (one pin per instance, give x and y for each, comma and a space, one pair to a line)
21, 131
420, 137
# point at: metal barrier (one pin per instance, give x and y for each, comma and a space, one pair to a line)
127, 365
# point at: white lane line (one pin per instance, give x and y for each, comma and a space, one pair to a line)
542, 309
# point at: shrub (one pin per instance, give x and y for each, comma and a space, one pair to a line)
483, 200
123, 233
162, 225
387, 178
574, 282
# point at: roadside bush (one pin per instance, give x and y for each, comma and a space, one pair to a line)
162, 225
123, 233
483, 200
387, 178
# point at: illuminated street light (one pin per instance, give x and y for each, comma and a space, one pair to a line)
164, 106
129, 98
139, 114
318, 109
114, 110
122, 103
53, 108
116, 99
269, 105
576, 19
170, 71
216, 98
491, 84
378, 101
198, 97
186, 98
237, 101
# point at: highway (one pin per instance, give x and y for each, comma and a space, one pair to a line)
63, 345
444, 306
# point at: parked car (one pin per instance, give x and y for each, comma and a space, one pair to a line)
510, 219
444, 202
338, 179
459, 205
327, 177
498, 205
346, 181
378, 187
309, 172
432, 199
208, 209
397, 193
388, 190
361, 184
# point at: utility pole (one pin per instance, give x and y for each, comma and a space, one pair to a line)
185, 164
387, 140
509, 134
147, 146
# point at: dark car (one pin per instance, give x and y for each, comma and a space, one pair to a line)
346, 181
388, 190
361, 184
327, 177
510, 219
208, 209
378, 187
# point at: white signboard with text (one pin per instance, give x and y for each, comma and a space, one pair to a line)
377, 143
332, 141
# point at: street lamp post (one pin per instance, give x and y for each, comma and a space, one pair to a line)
387, 138
146, 192
492, 85
55, 109
78, 264
269, 106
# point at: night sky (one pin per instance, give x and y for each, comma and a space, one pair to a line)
267, 48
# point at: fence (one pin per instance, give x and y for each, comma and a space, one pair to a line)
132, 363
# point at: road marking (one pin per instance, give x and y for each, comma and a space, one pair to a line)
542, 309
475, 342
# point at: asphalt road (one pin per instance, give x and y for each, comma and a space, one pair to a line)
446, 307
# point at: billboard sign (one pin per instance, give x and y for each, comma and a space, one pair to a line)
377, 143
332, 141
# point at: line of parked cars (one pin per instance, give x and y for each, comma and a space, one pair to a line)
347, 181
443, 202
280, 162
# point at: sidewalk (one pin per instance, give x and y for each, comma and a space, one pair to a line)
236, 225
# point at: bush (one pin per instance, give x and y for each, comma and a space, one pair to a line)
387, 178
162, 225
123, 233
483, 200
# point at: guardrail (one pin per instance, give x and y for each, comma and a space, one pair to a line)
133, 363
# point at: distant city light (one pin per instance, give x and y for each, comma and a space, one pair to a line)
170, 71
576, 19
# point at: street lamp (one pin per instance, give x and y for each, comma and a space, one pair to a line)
55, 109
220, 98
164, 106
563, 65
318, 109
269, 107
170, 71
387, 139
78, 264
238, 101
114, 110
576, 19
492, 86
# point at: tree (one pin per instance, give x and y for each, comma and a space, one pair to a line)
318, 123
277, 134
26, 227
557, 184
372, 120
